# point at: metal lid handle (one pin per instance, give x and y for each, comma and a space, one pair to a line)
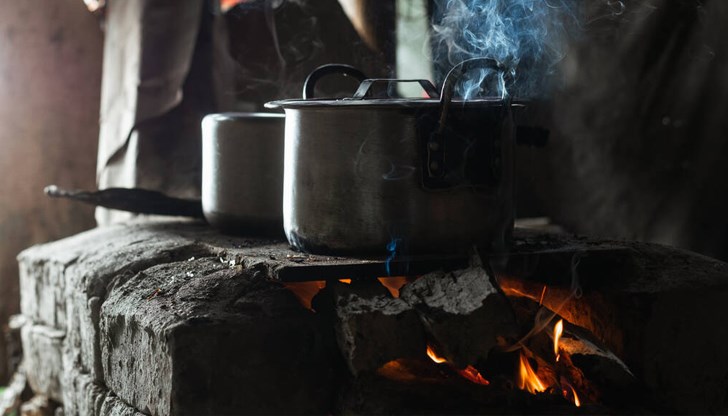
329, 69
455, 74
364, 90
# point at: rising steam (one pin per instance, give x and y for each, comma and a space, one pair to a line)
528, 37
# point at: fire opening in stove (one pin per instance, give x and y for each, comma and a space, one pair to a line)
531, 353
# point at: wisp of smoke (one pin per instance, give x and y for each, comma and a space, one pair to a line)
528, 37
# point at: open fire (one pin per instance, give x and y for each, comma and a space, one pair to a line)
527, 378
469, 373
540, 364
305, 291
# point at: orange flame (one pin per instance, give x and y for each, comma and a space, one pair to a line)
434, 357
305, 291
543, 294
527, 378
558, 330
393, 284
571, 390
469, 373
473, 375
226, 5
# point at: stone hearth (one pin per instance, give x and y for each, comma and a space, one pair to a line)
174, 318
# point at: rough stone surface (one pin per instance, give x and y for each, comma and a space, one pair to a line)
39, 405
81, 394
200, 337
462, 312
42, 290
113, 406
84, 397
63, 283
87, 261
43, 359
374, 328
165, 341
14, 394
14, 343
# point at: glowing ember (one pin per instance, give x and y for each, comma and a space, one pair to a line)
558, 330
434, 357
543, 293
396, 370
469, 373
393, 284
226, 5
305, 291
527, 378
473, 375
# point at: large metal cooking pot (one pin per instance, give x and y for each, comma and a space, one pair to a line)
376, 174
242, 172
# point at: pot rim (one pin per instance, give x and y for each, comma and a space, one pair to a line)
384, 103
232, 116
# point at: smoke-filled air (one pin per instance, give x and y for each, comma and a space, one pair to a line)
527, 37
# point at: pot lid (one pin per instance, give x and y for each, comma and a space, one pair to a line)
367, 96
393, 103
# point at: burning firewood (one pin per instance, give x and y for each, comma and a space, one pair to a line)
569, 359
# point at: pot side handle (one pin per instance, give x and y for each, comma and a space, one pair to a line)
309, 84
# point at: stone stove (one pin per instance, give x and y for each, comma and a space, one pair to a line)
172, 318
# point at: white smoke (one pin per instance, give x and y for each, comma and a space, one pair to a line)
527, 37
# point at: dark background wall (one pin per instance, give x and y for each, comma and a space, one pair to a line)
50, 69
640, 130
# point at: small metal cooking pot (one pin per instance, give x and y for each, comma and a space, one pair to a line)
242, 172
371, 173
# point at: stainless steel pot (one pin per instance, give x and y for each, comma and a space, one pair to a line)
242, 172
376, 174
